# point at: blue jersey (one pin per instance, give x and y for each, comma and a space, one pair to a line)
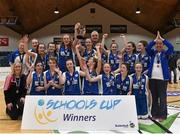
14, 55
52, 90
87, 54
47, 56
113, 60
139, 89
72, 83
130, 59
108, 85
123, 86
42, 60
103, 58
64, 54
144, 60
90, 88
37, 80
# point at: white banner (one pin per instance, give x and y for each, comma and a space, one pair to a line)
85, 113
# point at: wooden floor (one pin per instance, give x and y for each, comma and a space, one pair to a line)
9, 126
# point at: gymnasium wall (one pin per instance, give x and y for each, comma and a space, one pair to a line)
102, 16
174, 37
13, 38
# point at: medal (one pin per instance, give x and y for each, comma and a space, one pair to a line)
158, 60
140, 85
17, 82
68, 82
21, 57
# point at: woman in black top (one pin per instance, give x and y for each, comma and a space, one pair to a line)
15, 91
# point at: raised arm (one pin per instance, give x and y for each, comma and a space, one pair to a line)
170, 47
91, 79
124, 42
78, 30
25, 40
29, 78
99, 64
103, 42
79, 55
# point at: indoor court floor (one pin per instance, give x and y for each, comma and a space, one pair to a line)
10, 126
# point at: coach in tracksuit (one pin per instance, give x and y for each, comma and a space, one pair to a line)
159, 75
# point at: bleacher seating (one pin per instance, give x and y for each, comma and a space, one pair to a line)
4, 59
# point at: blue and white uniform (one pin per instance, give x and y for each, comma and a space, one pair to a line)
42, 60
90, 88
16, 56
37, 80
47, 56
87, 54
64, 54
108, 85
103, 58
113, 60
13, 56
72, 83
130, 59
144, 60
123, 86
52, 90
139, 89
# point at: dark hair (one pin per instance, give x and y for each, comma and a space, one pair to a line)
37, 61
94, 60
133, 45
38, 47
52, 43
143, 42
69, 59
53, 59
72, 62
138, 63
113, 43
70, 43
127, 66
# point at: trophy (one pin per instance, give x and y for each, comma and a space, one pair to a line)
80, 30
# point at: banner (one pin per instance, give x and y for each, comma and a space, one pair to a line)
85, 113
4, 41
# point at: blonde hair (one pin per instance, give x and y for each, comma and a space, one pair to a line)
13, 67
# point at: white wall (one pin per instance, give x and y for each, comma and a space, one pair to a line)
102, 16
13, 38
174, 37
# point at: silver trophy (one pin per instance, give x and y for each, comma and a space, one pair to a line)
80, 32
